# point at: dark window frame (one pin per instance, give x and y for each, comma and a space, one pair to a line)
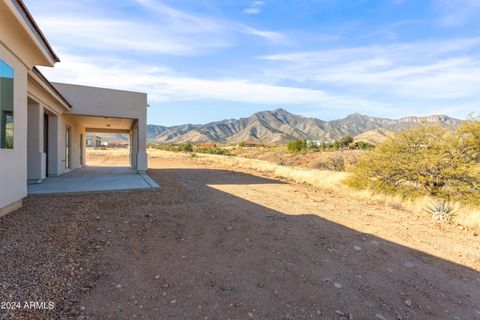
7, 119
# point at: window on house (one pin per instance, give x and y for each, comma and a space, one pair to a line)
6, 106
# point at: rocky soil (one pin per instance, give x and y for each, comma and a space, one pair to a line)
218, 244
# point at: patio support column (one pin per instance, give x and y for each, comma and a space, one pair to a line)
53, 145
133, 147
142, 164
36, 158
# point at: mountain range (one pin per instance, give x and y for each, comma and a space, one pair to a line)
280, 126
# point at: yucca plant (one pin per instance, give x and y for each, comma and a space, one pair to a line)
441, 210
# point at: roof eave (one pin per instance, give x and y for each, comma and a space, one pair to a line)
28, 18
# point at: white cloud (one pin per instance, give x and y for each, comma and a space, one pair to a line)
162, 84
255, 7
162, 29
457, 12
424, 71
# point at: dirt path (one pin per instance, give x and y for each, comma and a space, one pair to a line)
217, 244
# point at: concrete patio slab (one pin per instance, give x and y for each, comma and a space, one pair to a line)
94, 179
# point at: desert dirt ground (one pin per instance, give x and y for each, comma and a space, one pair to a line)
280, 155
213, 243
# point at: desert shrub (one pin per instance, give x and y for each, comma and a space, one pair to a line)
334, 164
165, 147
297, 145
345, 141
361, 145
441, 210
336, 145
425, 160
214, 150
185, 147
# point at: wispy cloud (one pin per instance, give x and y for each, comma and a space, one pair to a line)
424, 70
255, 7
166, 85
457, 12
161, 29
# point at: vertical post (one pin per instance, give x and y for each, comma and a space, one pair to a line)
53, 145
36, 158
142, 164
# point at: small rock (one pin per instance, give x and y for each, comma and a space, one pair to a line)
82, 308
319, 312
340, 313
379, 316
357, 248
337, 285
350, 316
174, 301
250, 315
228, 228
157, 276
408, 302
118, 286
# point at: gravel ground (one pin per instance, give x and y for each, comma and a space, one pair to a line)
217, 244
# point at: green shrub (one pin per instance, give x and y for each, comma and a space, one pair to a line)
185, 147
297, 145
425, 160
361, 145
213, 150
345, 141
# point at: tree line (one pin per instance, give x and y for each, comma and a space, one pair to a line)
345, 142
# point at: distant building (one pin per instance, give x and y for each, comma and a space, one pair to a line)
94, 141
316, 143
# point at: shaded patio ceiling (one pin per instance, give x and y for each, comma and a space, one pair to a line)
104, 124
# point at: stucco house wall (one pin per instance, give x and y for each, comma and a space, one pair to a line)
14, 161
38, 102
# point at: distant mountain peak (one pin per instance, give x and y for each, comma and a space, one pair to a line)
280, 126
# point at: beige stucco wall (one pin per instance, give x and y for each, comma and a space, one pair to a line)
13, 162
41, 98
17, 36
93, 101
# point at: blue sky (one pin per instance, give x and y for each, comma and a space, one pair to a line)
208, 60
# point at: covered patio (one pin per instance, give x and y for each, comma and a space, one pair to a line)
94, 179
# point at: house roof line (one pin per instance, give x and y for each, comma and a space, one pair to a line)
49, 84
27, 16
